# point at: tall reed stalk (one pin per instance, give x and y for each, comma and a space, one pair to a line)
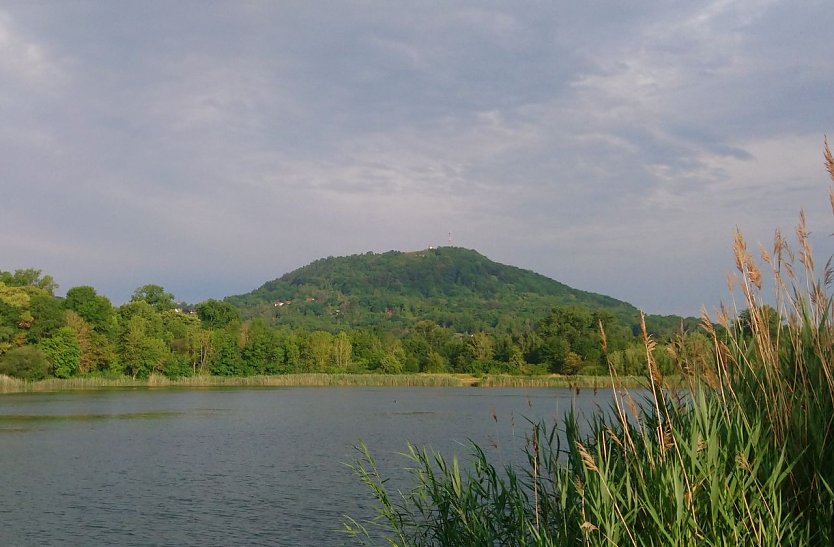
744, 455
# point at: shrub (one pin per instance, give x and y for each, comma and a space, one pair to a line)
25, 362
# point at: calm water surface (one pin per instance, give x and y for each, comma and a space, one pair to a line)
232, 466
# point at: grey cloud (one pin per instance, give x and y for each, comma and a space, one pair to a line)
209, 147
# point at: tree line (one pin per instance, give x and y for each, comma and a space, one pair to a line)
84, 334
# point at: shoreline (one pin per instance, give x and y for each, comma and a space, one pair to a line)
14, 385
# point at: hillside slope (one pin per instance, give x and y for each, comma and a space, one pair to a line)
454, 287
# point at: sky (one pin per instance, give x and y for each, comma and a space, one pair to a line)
211, 146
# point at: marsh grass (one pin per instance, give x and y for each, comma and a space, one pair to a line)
17, 385
557, 381
14, 385
745, 455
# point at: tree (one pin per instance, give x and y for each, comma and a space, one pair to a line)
481, 346
48, 316
435, 362
392, 362
366, 348
15, 317
154, 326
225, 358
217, 314
762, 319
629, 361
63, 352
342, 350
141, 354
98, 352
29, 278
155, 296
200, 349
319, 350
262, 350
570, 337
181, 330
177, 324
291, 342
553, 352
94, 308
515, 360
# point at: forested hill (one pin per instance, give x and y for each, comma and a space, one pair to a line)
456, 288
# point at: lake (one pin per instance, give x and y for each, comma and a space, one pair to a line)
233, 466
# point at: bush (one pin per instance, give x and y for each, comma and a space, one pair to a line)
26, 362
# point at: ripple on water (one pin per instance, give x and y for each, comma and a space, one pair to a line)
232, 467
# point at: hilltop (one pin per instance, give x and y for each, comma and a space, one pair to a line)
456, 288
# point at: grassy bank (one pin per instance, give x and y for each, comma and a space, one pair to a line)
14, 385
744, 460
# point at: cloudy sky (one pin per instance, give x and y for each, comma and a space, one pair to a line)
211, 146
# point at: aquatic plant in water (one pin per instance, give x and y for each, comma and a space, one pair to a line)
743, 458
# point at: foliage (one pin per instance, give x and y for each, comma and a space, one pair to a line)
94, 308
63, 352
216, 314
140, 339
142, 352
29, 278
22, 308
442, 310
226, 359
155, 296
47, 317
98, 351
27, 363
452, 287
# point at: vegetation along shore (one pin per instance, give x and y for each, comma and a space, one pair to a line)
438, 311
9, 384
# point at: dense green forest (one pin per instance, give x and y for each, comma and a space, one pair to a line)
455, 288
439, 310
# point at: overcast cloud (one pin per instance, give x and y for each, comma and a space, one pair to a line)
211, 146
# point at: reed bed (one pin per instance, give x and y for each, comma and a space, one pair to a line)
317, 380
15, 385
558, 381
742, 457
